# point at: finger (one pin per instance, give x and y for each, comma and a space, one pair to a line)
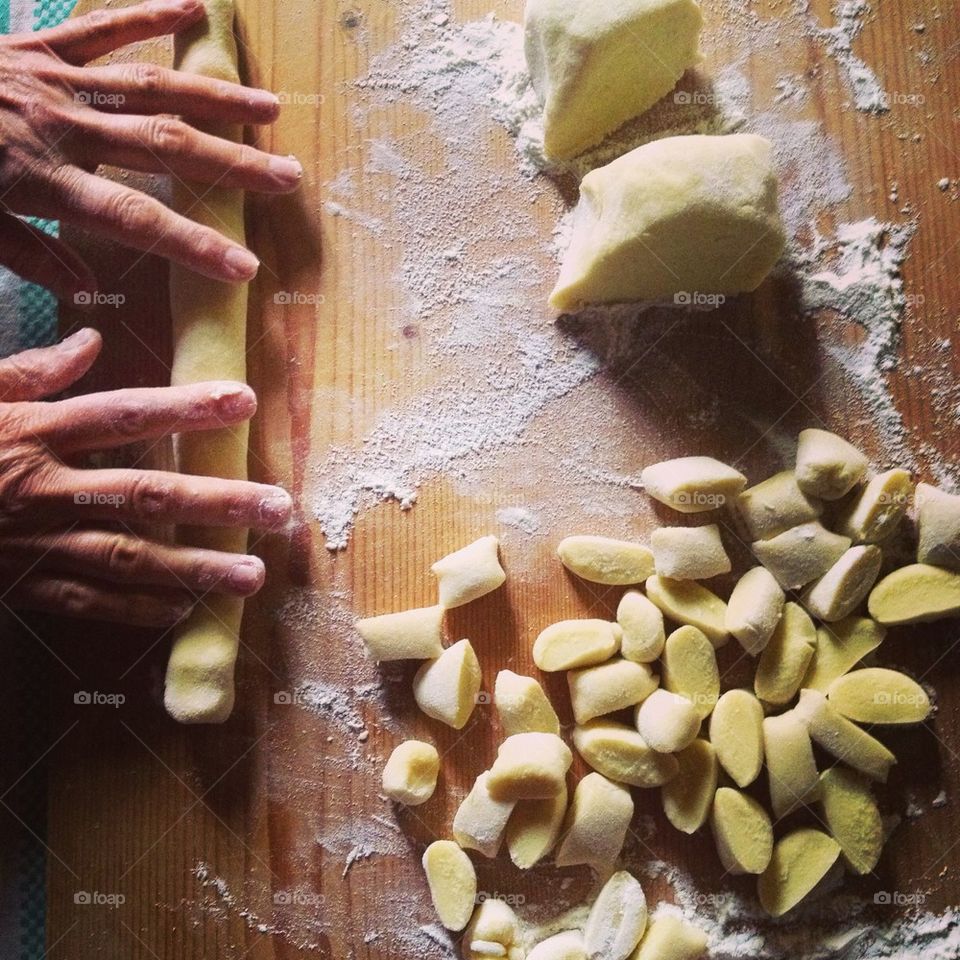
101, 31
167, 145
122, 558
90, 600
34, 374
161, 497
40, 258
100, 421
147, 88
136, 220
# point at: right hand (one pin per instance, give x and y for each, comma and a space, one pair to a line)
67, 544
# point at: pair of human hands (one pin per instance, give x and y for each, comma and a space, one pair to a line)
68, 536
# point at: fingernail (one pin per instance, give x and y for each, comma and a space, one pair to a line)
81, 338
232, 398
241, 264
276, 508
264, 98
286, 170
180, 611
246, 576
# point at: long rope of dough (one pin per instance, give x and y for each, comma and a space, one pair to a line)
209, 343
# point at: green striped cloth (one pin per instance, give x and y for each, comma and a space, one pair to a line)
28, 317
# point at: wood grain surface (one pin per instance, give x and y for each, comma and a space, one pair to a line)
261, 839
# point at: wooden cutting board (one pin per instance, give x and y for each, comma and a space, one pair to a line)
265, 838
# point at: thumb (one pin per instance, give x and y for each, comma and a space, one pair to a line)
34, 374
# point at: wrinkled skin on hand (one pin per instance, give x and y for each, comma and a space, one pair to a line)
69, 537
61, 119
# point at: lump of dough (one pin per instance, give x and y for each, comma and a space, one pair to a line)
670, 938
642, 624
840, 646
493, 931
596, 66
742, 831
469, 573
410, 635
801, 554
621, 754
529, 766
617, 563
689, 553
667, 721
839, 591
938, 527
775, 505
608, 687
410, 774
692, 484
754, 609
800, 861
446, 688
791, 768
533, 828
575, 643
827, 466
596, 824
692, 604
480, 821
687, 798
786, 658
673, 218
561, 946
522, 705
877, 510
915, 594
736, 732
690, 669
879, 695
618, 918
852, 817
452, 882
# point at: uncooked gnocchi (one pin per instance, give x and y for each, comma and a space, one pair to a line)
410, 635
689, 553
641, 624
410, 775
692, 484
754, 609
602, 560
446, 688
452, 881
800, 861
481, 821
522, 705
469, 573
533, 828
687, 798
576, 643
529, 766
596, 824
608, 687
621, 754
691, 604
667, 721
617, 919
774, 505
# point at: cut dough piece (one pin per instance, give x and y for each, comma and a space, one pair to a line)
775, 505
877, 510
595, 68
840, 646
529, 766
852, 817
480, 821
938, 527
828, 467
410, 774
690, 669
667, 722
621, 754
642, 624
576, 643
844, 739
617, 920
596, 824
608, 687
678, 216
692, 484
878, 695
687, 798
670, 938
469, 573
915, 594
522, 705
616, 563
791, 769
533, 829
786, 658
801, 554
742, 831
410, 635
446, 688
800, 861
754, 609
689, 553
736, 732
841, 589
561, 946
493, 925
452, 881
690, 603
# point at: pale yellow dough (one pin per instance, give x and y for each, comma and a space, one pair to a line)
529, 766
533, 828
596, 823
595, 66
682, 215
736, 732
800, 861
688, 797
446, 688
522, 705
410, 773
604, 560
692, 484
617, 919
620, 753
670, 938
469, 573
452, 881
